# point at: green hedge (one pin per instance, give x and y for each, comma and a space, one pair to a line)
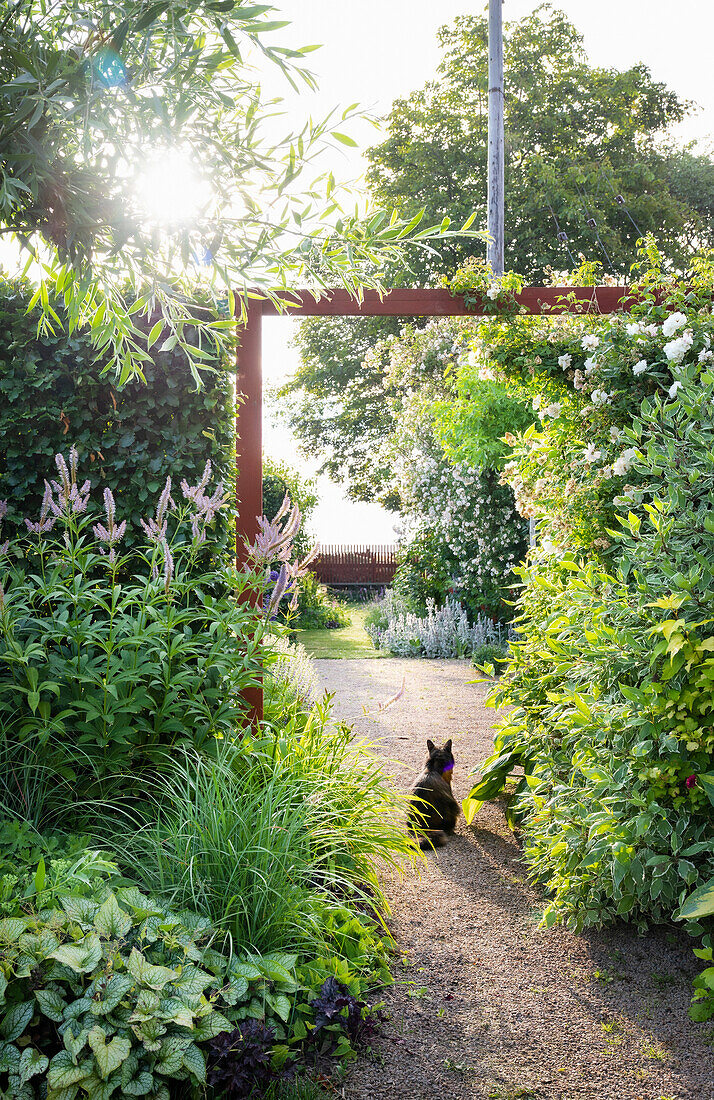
53, 394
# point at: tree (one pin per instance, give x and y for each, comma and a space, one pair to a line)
90, 90
577, 137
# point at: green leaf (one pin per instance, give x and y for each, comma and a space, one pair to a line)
78, 909
11, 928
108, 994
110, 921
51, 1004
155, 977
109, 1055
706, 782
156, 331
82, 957
700, 903
170, 1058
16, 1020
210, 1026
471, 807
31, 1063
63, 1072
195, 1063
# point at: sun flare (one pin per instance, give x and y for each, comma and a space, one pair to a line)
170, 190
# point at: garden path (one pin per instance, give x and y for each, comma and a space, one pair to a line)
486, 1005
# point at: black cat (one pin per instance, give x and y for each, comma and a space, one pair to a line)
433, 809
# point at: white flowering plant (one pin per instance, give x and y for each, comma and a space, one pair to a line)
587, 377
609, 686
461, 534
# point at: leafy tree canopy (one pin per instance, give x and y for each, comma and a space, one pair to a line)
577, 136
93, 90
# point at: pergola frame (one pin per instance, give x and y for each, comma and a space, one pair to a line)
340, 303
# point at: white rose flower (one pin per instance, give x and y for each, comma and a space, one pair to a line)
564, 361
651, 330
675, 350
552, 410
579, 380
590, 365
615, 434
493, 291
600, 397
641, 367
591, 453
705, 356
634, 329
621, 465
672, 323
590, 342
674, 389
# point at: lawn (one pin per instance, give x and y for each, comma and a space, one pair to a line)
347, 641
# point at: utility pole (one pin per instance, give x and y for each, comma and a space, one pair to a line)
495, 136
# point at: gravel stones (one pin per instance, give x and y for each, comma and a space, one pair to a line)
487, 1006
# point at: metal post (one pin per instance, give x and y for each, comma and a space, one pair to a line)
495, 136
249, 454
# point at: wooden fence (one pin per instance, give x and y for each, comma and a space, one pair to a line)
347, 565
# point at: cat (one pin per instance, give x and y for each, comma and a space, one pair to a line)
433, 809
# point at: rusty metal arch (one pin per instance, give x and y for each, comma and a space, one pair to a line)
340, 303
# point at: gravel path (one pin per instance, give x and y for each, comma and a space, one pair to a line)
486, 1005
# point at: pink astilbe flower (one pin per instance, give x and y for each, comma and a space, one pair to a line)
113, 533
274, 544
168, 565
46, 521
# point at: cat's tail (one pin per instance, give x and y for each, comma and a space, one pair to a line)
431, 838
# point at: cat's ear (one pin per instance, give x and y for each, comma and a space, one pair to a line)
430, 745
447, 746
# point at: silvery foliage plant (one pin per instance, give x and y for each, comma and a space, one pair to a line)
442, 632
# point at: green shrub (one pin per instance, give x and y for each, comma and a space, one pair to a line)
130, 437
98, 678
316, 608
35, 868
612, 686
118, 996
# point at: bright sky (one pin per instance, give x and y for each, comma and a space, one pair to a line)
376, 50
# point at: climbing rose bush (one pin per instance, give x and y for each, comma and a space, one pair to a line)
450, 500
609, 685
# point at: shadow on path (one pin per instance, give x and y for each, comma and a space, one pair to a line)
486, 1005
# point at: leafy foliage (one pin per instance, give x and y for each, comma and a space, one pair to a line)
275, 831
36, 868
120, 995
87, 90
609, 679
98, 678
576, 141
130, 437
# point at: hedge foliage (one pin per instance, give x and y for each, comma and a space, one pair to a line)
53, 392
